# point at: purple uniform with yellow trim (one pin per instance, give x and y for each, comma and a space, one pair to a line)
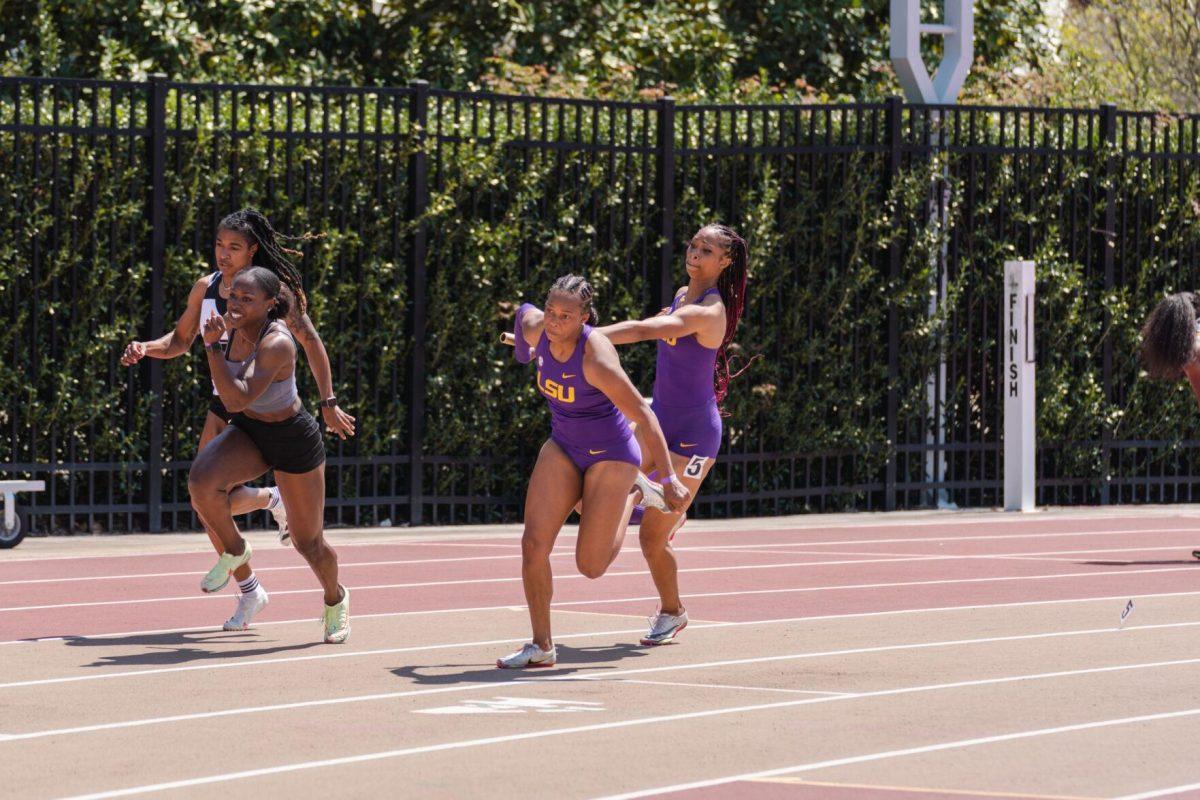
685, 401
583, 421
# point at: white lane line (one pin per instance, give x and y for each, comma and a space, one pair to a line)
305, 567
1076, 560
639, 671
260, 570
363, 698
908, 751
734, 662
876, 558
925, 790
1161, 792
974, 538
628, 551
712, 594
470, 581
316, 657
465, 687
740, 567
726, 686
484, 541
638, 722
750, 549
732, 531
560, 606
229, 712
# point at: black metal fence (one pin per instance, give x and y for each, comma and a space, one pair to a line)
879, 230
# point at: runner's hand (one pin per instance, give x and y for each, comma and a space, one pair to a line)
338, 421
134, 352
214, 329
676, 495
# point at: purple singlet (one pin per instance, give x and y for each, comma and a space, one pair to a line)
583, 421
685, 401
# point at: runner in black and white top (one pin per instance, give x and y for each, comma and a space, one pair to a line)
246, 238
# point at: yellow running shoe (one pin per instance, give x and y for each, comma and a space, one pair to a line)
218, 576
337, 619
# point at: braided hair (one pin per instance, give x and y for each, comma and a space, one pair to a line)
577, 286
1169, 336
732, 286
270, 253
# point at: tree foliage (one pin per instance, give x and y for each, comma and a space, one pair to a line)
1138, 54
692, 48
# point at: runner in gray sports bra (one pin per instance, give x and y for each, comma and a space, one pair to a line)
280, 395
270, 430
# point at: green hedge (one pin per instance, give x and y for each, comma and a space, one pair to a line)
508, 211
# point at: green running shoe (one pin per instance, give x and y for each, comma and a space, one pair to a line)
337, 619
218, 576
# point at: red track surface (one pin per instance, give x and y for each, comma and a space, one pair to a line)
749, 576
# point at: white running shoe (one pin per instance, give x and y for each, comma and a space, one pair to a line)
652, 494
665, 627
280, 514
528, 657
247, 606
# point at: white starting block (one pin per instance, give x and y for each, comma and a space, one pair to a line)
11, 533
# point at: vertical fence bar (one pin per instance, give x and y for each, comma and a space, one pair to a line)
894, 109
418, 201
1107, 243
666, 199
157, 151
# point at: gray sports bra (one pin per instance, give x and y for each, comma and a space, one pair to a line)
279, 396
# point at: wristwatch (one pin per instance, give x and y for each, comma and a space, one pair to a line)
328, 403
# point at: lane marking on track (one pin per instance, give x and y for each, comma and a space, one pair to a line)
1190, 527
865, 558
726, 686
305, 567
641, 721
908, 751
973, 538
1161, 792
723, 569
559, 607
200, 550
924, 789
616, 673
515, 557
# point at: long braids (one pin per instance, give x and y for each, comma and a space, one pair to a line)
732, 286
270, 253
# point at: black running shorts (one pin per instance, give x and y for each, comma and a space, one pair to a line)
294, 445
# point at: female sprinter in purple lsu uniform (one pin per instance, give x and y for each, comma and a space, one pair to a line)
691, 379
592, 454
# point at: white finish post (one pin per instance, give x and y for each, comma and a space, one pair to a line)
1020, 364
